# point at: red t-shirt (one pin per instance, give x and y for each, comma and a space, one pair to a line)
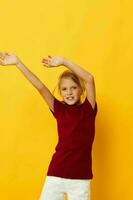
76, 129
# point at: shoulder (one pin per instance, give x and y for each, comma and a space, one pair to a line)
88, 107
57, 107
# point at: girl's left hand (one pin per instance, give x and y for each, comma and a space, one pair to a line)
53, 61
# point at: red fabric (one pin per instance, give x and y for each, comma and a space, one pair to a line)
76, 130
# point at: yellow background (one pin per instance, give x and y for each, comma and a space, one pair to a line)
97, 35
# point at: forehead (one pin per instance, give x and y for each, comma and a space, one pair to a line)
67, 82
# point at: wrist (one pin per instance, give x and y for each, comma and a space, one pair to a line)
65, 62
18, 63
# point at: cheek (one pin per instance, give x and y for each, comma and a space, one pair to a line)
62, 93
78, 91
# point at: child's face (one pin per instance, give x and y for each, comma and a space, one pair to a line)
70, 91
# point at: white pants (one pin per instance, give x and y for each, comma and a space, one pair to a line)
56, 188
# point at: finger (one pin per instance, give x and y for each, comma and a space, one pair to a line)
2, 55
45, 60
7, 54
1, 62
46, 64
49, 56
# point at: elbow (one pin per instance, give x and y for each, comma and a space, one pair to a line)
90, 79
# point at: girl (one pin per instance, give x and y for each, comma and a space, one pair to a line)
70, 169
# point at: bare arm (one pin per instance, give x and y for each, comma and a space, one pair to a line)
11, 59
43, 90
85, 75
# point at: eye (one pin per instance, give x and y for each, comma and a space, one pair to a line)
74, 87
64, 89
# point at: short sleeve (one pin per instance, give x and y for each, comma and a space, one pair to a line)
58, 106
88, 106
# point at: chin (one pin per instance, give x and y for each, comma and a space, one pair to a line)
72, 102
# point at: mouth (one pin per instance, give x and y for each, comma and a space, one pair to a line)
69, 98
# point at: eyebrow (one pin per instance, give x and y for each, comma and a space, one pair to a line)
66, 86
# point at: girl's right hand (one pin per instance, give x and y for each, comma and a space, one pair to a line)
8, 59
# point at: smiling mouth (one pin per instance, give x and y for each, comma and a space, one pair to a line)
70, 98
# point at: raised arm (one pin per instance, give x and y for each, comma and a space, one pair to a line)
85, 75
11, 59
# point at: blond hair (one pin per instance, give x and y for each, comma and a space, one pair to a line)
78, 80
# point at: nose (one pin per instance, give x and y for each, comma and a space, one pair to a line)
69, 91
